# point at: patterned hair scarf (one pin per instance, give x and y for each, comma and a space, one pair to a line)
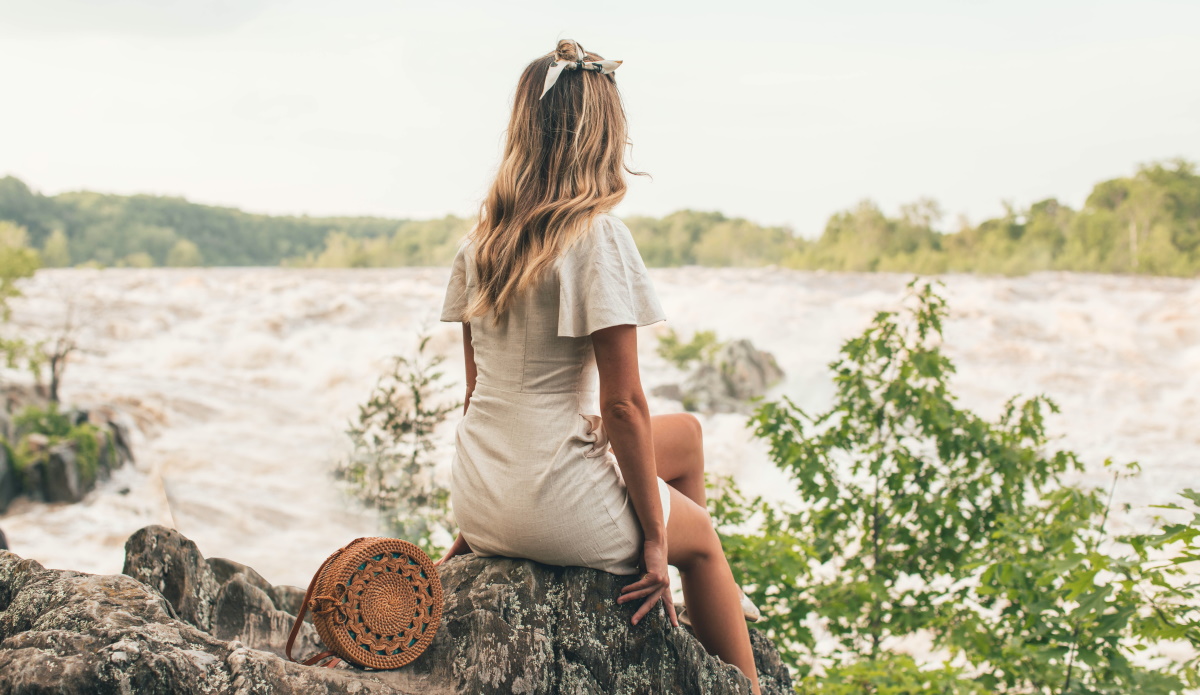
557, 66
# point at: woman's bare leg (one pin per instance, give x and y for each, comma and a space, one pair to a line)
709, 591
679, 454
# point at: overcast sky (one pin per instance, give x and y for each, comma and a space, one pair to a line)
782, 112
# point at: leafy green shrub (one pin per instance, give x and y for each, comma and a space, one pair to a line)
389, 468
702, 346
918, 516
893, 674
57, 427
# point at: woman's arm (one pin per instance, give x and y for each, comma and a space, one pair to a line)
469, 359
627, 420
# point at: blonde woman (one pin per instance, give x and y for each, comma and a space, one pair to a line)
550, 290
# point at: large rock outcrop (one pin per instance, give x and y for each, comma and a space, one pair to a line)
191, 625
725, 383
55, 470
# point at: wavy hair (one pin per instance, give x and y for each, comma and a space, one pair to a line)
563, 164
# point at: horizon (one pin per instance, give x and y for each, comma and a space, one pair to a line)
795, 113
941, 229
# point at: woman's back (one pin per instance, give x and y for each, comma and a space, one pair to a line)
533, 475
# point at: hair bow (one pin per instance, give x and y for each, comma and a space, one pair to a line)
601, 66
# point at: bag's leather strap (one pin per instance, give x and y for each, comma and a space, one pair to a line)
300, 619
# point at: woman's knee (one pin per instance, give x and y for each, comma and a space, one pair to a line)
694, 429
691, 434
692, 541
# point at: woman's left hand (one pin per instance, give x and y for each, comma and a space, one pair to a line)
653, 585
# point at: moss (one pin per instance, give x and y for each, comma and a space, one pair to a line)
48, 421
57, 427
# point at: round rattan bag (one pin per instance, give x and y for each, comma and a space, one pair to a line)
376, 603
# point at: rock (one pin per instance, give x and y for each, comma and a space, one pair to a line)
122, 442
508, 626
77, 416
519, 626
74, 633
246, 613
62, 481
288, 599
748, 370
669, 391
172, 565
737, 373
705, 391
223, 570
106, 454
55, 473
773, 674
10, 480
284, 598
37, 441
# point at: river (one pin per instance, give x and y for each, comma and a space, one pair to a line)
241, 382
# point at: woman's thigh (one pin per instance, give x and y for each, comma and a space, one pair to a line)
691, 537
678, 445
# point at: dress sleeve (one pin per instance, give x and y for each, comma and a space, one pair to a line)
603, 282
455, 302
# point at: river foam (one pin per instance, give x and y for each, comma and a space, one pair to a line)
242, 381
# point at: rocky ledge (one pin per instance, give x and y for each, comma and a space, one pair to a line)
177, 623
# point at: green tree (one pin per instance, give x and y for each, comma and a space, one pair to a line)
56, 252
17, 261
139, 259
702, 346
389, 468
913, 515
184, 254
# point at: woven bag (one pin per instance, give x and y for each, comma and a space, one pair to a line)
376, 603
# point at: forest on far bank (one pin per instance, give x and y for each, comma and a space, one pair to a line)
1146, 223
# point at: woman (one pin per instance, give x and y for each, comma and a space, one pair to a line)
550, 289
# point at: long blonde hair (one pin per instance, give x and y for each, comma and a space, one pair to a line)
563, 164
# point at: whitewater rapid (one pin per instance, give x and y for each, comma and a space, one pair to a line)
241, 382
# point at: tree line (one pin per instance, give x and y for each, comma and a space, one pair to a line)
1146, 223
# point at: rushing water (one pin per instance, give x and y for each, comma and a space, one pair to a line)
242, 380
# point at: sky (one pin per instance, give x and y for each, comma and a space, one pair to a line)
780, 112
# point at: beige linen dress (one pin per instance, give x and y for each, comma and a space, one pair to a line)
533, 475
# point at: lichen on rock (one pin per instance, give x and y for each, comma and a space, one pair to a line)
189, 625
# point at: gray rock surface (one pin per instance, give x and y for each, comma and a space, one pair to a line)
508, 626
62, 480
10, 482
172, 565
737, 373
73, 633
246, 613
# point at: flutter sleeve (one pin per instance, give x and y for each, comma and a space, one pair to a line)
455, 303
603, 282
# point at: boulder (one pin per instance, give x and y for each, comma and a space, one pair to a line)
514, 625
284, 598
245, 612
508, 626
737, 373
10, 480
172, 565
62, 480
122, 442
81, 634
748, 370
